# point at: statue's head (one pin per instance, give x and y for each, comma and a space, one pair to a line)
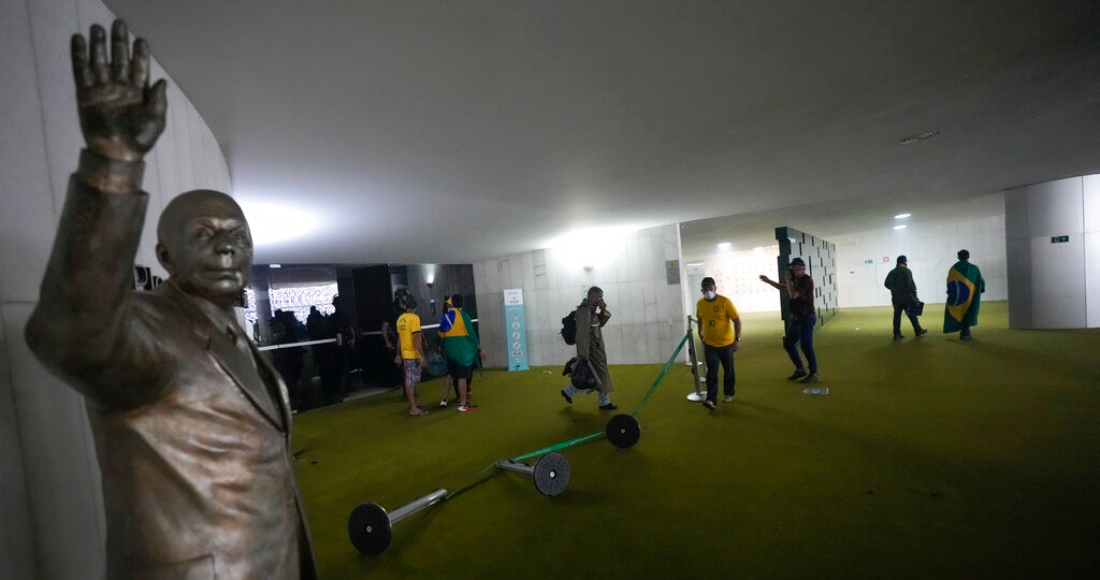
204, 243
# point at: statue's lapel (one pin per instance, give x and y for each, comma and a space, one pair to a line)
235, 362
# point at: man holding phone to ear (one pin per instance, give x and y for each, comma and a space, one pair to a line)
799, 288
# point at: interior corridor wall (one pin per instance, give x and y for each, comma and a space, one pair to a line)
1052, 235
737, 276
51, 510
864, 260
648, 312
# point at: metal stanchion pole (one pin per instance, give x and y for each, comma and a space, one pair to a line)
698, 395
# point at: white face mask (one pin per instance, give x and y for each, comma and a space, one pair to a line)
710, 294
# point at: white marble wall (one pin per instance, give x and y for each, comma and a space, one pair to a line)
51, 522
1053, 285
737, 275
648, 314
931, 251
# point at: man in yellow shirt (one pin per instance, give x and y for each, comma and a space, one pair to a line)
720, 340
411, 353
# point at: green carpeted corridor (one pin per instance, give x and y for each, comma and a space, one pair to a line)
929, 458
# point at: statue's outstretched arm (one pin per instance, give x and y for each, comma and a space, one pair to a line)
80, 327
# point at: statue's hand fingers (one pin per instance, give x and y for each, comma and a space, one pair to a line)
120, 53
156, 102
99, 55
139, 66
79, 52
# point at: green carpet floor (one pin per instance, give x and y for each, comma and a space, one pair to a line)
929, 458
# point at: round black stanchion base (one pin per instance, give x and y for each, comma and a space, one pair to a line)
369, 529
623, 431
551, 474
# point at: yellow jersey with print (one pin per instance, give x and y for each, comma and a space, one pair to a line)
408, 324
715, 318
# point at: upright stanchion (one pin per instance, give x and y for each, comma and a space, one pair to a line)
370, 528
693, 358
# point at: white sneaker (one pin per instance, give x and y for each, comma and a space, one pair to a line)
443, 403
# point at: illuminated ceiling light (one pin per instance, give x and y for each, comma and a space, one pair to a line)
902, 216
919, 137
758, 249
576, 246
271, 224
901, 227
274, 265
725, 246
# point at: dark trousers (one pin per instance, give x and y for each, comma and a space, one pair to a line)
713, 356
801, 332
898, 309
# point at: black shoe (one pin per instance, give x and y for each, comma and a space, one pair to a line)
798, 374
710, 405
899, 336
609, 407
922, 332
567, 398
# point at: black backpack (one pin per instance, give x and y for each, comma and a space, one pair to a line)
569, 328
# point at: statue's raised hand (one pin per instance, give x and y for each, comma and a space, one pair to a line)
120, 115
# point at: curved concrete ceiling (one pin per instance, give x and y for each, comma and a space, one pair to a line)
438, 132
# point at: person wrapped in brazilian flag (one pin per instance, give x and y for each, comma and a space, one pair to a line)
964, 296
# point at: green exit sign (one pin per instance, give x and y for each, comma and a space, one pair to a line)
868, 261
1059, 239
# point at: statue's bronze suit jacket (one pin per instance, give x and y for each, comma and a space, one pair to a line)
192, 427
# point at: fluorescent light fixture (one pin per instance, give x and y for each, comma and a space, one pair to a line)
576, 247
758, 249
274, 266
902, 216
901, 227
271, 224
725, 246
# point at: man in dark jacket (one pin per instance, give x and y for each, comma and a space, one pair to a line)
903, 294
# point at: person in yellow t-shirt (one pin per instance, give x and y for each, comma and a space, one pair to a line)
411, 353
720, 338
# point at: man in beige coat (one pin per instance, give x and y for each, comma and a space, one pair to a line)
592, 314
191, 424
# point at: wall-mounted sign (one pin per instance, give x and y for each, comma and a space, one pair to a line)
1059, 239
868, 261
885, 259
672, 271
515, 329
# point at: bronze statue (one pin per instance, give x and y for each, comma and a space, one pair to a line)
192, 425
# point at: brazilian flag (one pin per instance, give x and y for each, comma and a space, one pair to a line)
964, 296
